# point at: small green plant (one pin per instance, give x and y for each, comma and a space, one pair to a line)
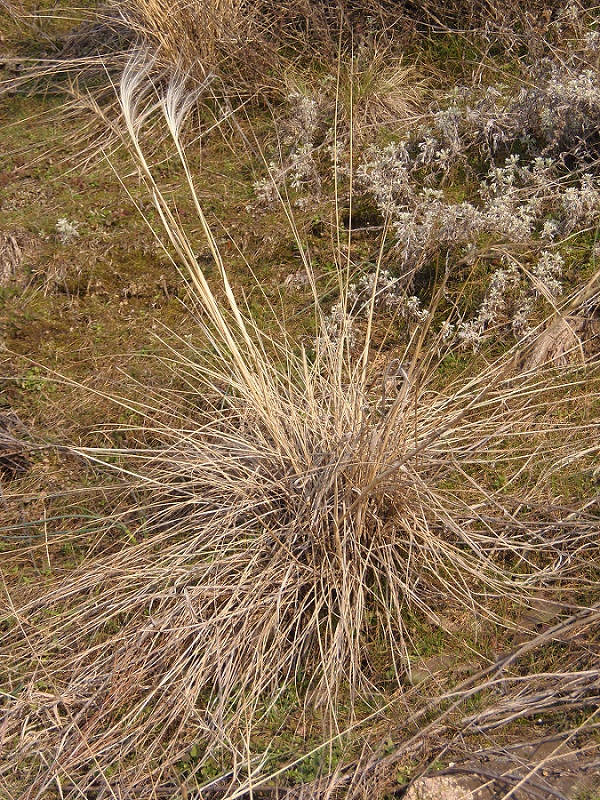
33, 381
316, 764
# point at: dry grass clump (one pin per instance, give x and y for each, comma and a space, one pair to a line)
284, 539
195, 36
211, 32
254, 48
376, 89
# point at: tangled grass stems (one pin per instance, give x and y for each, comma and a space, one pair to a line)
284, 537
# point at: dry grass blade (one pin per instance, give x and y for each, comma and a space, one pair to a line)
562, 340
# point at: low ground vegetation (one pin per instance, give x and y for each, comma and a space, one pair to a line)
299, 449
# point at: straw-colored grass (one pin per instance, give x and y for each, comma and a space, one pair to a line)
284, 536
376, 89
191, 33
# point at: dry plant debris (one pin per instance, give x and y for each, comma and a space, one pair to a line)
11, 257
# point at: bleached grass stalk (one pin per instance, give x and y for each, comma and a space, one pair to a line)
283, 540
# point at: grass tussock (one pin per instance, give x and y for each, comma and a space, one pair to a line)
286, 538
